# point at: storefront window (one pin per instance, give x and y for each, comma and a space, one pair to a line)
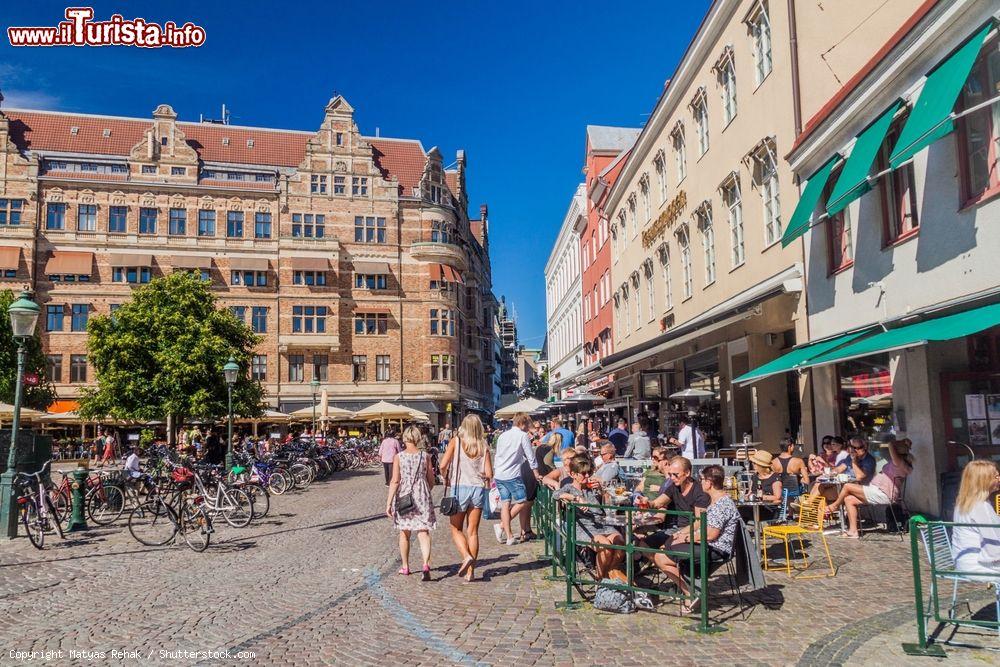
865, 396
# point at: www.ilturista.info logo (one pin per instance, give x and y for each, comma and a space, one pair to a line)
79, 29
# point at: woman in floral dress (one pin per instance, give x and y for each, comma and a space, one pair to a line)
412, 472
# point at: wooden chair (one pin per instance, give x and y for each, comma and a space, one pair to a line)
811, 511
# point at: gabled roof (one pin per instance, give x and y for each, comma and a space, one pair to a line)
33, 130
607, 138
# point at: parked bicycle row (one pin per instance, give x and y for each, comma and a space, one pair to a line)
170, 495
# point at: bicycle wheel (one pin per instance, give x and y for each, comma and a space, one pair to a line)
277, 482
33, 524
153, 523
53, 521
301, 475
106, 504
196, 527
237, 507
260, 498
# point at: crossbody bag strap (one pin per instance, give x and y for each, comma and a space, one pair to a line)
458, 452
416, 472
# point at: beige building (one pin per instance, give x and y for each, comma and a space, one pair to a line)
352, 256
704, 289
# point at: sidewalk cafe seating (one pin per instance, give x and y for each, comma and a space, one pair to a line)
897, 511
937, 546
811, 512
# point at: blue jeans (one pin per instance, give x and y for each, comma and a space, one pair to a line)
470, 497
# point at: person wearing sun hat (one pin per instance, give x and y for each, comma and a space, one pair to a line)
766, 484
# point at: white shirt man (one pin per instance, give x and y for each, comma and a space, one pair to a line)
513, 448
132, 465
692, 442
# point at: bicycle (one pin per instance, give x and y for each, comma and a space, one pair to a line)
38, 512
234, 504
156, 521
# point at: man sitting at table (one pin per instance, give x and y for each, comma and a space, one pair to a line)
682, 495
882, 489
654, 479
609, 470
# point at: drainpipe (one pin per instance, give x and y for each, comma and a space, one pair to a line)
793, 41
399, 291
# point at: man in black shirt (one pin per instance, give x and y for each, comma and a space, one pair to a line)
683, 495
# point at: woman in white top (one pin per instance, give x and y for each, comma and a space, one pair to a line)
977, 548
469, 467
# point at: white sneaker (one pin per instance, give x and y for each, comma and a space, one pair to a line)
498, 531
511, 541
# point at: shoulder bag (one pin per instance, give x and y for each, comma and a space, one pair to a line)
449, 503
405, 503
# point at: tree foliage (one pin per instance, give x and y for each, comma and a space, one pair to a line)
38, 397
537, 387
162, 354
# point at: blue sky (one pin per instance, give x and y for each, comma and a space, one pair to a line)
513, 83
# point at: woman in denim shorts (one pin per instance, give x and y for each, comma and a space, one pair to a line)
466, 463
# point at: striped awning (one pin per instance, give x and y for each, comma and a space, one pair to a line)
192, 262
371, 268
249, 263
310, 264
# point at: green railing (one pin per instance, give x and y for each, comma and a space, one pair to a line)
938, 547
557, 522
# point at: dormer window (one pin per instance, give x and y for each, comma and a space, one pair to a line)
74, 130
249, 143
225, 141
163, 141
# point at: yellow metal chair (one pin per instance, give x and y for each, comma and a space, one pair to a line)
811, 511
997, 503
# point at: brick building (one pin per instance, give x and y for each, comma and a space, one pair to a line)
352, 256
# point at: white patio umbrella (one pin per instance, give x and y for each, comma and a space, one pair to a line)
526, 405
419, 416
383, 411
330, 413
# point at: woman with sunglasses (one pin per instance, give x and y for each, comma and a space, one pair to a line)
976, 547
588, 527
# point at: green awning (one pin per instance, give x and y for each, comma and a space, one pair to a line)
941, 328
799, 223
930, 118
797, 358
853, 181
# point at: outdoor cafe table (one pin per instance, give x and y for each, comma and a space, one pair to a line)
755, 506
835, 481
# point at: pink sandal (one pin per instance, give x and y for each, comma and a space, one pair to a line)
404, 571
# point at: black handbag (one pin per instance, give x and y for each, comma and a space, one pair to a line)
449, 503
405, 503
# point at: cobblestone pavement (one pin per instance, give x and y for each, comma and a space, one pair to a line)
315, 583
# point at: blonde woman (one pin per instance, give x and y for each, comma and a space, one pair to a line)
468, 465
976, 548
413, 474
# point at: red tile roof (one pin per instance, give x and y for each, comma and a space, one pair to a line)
237, 185
51, 131
85, 175
402, 158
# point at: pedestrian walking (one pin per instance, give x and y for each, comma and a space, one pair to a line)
513, 447
468, 469
409, 503
387, 453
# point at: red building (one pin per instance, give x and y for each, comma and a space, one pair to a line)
607, 149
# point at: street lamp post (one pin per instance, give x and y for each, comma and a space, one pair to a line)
23, 315
230, 371
315, 387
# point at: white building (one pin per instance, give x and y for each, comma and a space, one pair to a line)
563, 300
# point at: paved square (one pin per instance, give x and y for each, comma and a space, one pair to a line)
315, 583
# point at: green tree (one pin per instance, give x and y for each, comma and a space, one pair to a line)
161, 354
38, 397
537, 387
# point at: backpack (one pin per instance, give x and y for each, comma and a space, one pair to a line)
613, 599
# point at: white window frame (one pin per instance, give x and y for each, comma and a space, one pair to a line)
760, 30
734, 208
661, 175
687, 272
727, 76
770, 196
650, 295
699, 109
680, 153
668, 285
632, 217
644, 193
704, 216
638, 304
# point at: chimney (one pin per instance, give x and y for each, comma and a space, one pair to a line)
483, 211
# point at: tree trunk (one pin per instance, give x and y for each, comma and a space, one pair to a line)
170, 430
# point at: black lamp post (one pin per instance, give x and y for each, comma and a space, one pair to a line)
23, 315
230, 371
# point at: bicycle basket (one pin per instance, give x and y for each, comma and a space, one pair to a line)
182, 475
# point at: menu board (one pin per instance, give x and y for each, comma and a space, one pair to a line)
982, 413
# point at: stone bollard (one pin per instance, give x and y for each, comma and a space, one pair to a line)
78, 521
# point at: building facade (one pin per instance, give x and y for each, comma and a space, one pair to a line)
564, 302
606, 150
507, 336
897, 218
704, 288
352, 256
